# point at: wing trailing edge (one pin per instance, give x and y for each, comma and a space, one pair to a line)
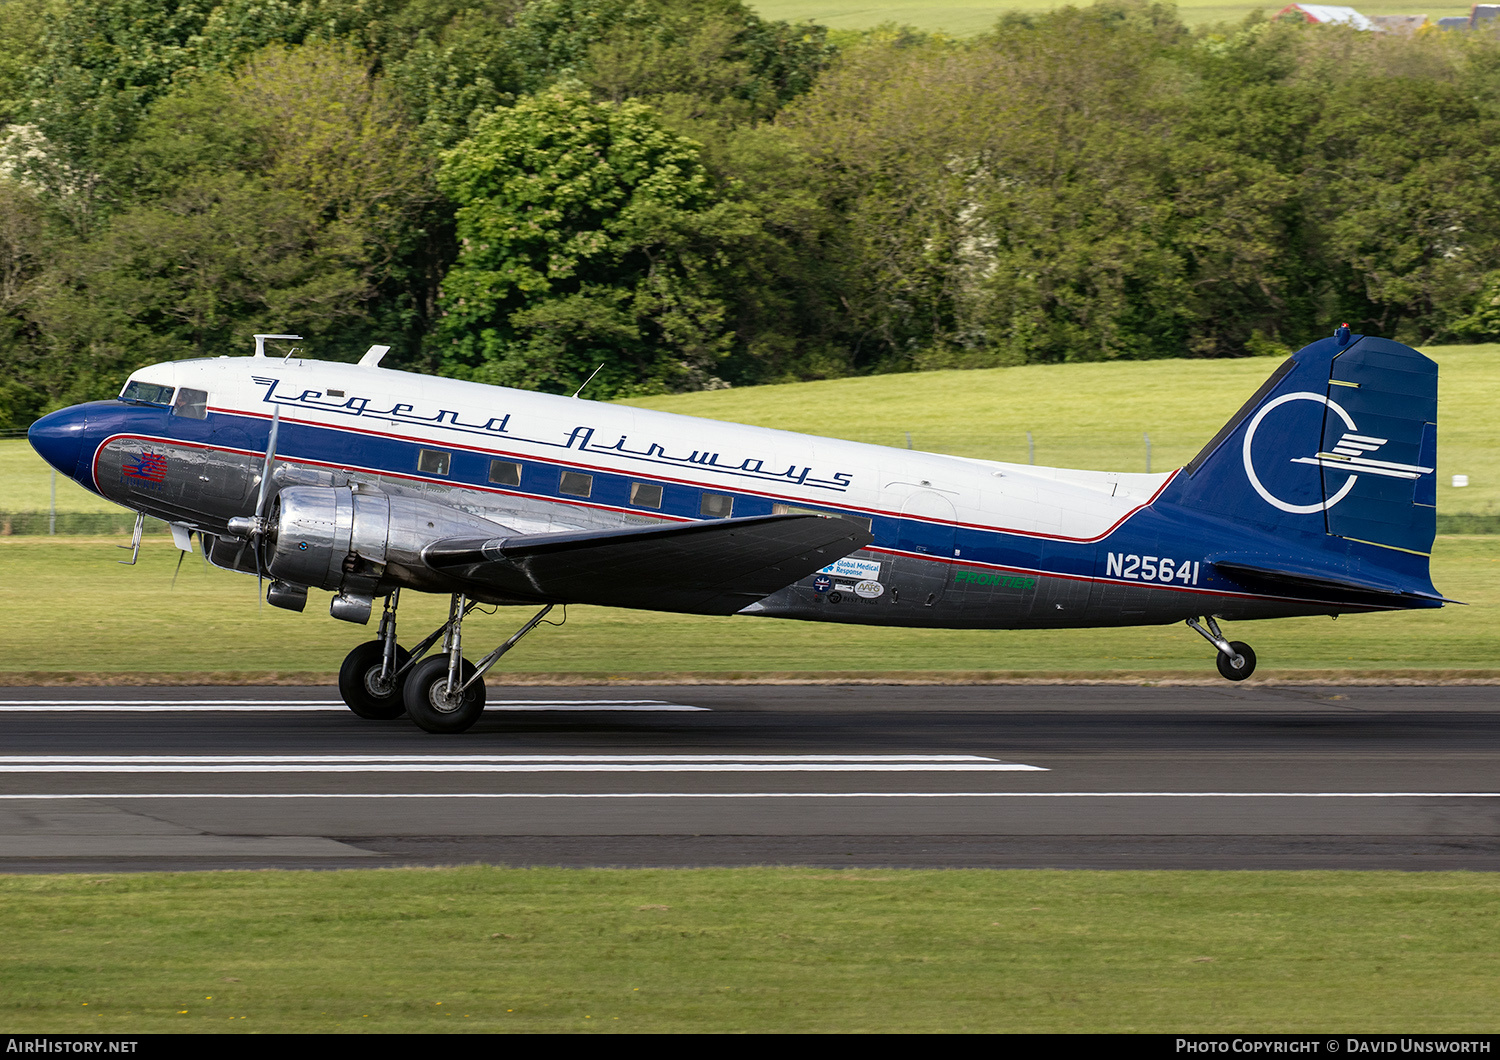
714, 567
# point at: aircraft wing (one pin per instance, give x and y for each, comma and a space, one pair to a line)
714, 567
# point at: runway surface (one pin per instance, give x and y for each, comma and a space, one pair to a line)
993, 776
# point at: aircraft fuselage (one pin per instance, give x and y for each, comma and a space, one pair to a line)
958, 543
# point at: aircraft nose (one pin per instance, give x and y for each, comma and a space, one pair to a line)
58, 437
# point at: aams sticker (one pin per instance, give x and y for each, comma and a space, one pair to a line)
869, 590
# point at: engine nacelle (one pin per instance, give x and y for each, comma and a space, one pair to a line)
328, 537
350, 540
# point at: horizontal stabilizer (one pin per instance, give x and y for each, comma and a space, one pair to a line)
714, 567
1288, 579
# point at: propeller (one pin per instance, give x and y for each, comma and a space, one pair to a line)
182, 554
257, 539
255, 526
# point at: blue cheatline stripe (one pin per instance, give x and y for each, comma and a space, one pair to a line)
340, 447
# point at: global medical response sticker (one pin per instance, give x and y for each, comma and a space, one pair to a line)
854, 569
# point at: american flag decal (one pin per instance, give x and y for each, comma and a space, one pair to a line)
148, 467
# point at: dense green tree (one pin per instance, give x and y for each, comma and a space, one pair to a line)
1095, 183
1116, 233
708, 54
589, 234
1024, 198
1402, 182
194, 274
22, 253
280, 197
21, 25
691, 194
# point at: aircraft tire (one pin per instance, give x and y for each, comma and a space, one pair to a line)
354, 683
425, 695
1226, 666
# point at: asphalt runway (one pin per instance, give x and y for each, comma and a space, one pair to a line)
1209, 777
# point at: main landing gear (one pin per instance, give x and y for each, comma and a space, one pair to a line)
445, 693
1236, 660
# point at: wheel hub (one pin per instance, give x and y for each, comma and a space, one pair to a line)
380, 688
441, 701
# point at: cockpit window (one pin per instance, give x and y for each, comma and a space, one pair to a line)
191, 403
146, 393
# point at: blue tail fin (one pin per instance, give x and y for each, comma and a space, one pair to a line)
1341, 441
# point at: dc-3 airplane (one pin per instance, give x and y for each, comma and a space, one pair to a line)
1317, 498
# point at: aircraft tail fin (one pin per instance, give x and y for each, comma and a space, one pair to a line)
1340, 443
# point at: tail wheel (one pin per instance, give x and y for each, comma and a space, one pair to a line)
362, 688
1229, 670
429, 702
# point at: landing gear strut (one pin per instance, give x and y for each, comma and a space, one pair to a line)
446, 692
370, 679
1236, 660
374, 674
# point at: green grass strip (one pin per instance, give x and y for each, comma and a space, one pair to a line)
72, 611
489, 949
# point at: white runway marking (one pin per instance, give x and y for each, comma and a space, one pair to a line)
152, 706
794, 795
707, 763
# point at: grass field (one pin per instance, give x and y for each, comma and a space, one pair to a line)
482, 949
26, 483
70, 611
961, 18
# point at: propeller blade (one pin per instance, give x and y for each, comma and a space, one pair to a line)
258, 536
265, 471
178, 569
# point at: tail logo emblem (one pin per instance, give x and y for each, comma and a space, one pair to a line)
1353, 453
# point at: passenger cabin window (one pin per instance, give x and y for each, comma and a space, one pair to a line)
575, 484
716, 506
192, 404
433, 461
505, 473
644, 495
146, 394
792, 509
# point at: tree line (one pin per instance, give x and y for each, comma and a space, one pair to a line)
519, 191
